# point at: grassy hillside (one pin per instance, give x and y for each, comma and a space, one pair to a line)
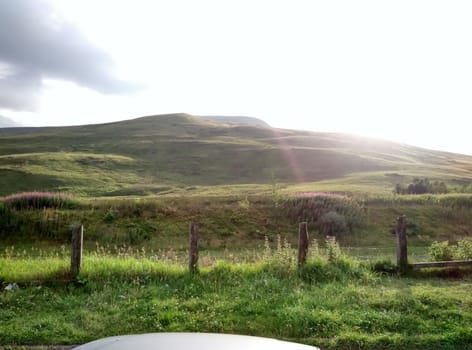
238, 120
181, 153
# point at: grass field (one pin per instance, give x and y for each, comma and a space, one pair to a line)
335, 303
136, 186
134, 277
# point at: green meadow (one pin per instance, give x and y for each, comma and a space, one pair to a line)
334, 301
137, 185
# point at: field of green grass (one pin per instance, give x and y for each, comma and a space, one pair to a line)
334, 302
136, 186
135, 279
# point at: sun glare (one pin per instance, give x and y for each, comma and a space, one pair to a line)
342, 67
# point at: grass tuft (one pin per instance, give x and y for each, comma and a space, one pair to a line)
40, 200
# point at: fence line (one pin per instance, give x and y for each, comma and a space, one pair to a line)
402, 252
303, 244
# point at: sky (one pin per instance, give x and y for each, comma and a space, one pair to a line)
399, 70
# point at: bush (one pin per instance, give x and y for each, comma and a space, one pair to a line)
109, 215
440, 251
40, 200
463, 250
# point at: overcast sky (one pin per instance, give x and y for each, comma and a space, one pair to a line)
399, 70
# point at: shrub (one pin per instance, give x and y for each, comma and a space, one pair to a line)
109, 215
40, 200
440, 251
463, 250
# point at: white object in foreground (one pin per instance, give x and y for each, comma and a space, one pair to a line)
191, 341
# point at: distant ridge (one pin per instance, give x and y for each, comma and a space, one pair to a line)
12, 130
251, 121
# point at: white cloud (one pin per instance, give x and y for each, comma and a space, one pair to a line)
35, 44
399, 70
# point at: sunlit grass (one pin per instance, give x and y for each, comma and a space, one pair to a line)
182, 155
334, 303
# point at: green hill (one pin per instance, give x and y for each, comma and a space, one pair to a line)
158, 154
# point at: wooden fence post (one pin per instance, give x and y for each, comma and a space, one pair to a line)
302, 243
76, 256
193, 252
402, 254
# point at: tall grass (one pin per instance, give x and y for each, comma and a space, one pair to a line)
332, 302
328, 213
47, 224
21, 265
40, 200
451, 200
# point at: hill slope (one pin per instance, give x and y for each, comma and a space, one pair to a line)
152, 154
238, 120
